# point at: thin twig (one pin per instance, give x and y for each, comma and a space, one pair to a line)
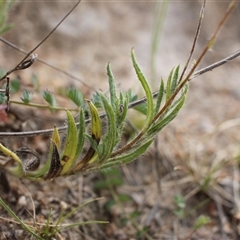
195, 40
49, 34
47, 63
216, 64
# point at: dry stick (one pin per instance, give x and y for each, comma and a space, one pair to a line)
54, 29
131, 105
46, 63
195, 40
216, 64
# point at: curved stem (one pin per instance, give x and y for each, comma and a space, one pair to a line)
43, 106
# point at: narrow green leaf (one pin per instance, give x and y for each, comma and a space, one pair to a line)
96, 122
127, 157
27, 97
157, 127
169, 86
15, 85
3, 98
160, 97
112, 87
95, 139
122, 111
49, 98
201, 221
24, 225
142, 108
109, 139
174, 79
68, 155
76, 96
81, 137
148, 92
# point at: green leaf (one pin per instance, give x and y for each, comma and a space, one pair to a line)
109, 140
159, 97
15, 85
76, 96
112, 88
122, 111
148, 92
127, 157
69, 152
175, 79
169, 86
142, 108
179, 201
94, 140
49, 98
160, 124
201, 221
96, 100
81, 137
3, 97
27, 97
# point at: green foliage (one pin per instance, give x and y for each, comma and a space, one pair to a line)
66, 157
3, 97
75, 96
180, 206
27, 97
201, 221
49, 98
15, 85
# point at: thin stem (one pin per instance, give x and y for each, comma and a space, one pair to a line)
47, 63
53, 30
216, 64
43, 106
195, 40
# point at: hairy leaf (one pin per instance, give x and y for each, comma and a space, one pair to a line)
68, 155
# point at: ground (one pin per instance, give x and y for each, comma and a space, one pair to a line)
194, 157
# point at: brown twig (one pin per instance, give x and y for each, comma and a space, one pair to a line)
195, 40
46, 63
49, 34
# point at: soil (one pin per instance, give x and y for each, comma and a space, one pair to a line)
200, 145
